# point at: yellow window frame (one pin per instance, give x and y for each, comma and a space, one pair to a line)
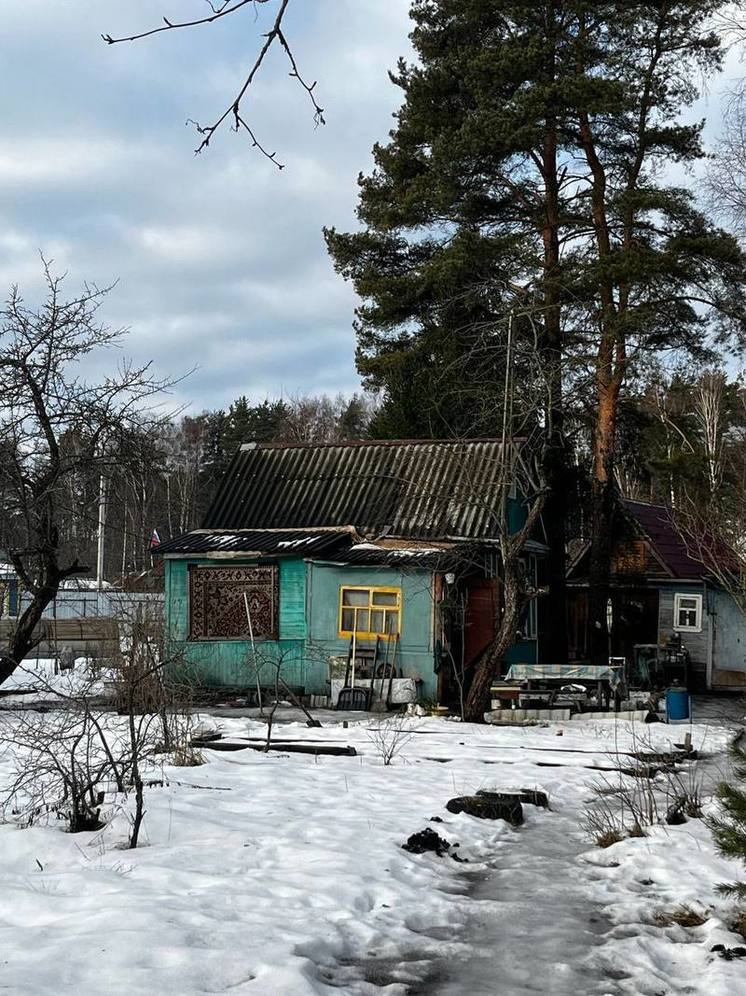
371, 589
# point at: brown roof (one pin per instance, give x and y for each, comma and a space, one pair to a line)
684, 556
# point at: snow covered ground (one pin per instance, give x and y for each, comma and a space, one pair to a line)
42, 680
283, 875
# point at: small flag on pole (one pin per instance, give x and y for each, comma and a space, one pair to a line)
155, 539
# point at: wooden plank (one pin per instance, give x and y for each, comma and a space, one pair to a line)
287, 748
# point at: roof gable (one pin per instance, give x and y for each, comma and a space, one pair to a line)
668, 542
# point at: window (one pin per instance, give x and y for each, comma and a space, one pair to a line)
687, 612
529, 628
218, 598
369, 612
529, 621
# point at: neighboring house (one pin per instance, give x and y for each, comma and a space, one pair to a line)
662, 595
394, 543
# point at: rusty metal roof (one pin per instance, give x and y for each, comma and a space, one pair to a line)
423, 490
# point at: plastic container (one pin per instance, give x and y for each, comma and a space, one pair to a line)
677, 705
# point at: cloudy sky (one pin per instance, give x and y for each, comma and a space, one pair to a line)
219, 257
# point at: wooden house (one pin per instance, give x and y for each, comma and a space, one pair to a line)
663, 596
310, 549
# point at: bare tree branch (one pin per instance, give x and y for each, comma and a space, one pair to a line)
233, 111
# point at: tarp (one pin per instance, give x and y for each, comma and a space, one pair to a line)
563, 672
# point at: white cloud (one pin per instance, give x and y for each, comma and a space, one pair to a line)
219, 258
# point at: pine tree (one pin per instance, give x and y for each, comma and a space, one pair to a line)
531, 151
461, 219
729, 830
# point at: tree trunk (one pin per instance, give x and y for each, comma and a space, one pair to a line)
554, 520
22, 640
555, 464
603, 508
512, 604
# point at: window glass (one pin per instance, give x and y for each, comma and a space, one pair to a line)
354, 596
369, 612
385, 598
688, 612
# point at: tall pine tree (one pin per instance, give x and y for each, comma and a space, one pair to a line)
532, 150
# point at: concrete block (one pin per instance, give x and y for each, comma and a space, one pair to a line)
509, 717
628, 715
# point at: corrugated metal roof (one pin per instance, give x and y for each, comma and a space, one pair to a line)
327, 544
423, 490
275, 542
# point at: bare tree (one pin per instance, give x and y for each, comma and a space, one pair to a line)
714, 534
155, 696
709, 410
45, 403
321, 419
61, 761
390, 736
64, 761
275, 37
520, 479
522, 469
725, 180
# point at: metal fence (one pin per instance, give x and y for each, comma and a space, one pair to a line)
103, 604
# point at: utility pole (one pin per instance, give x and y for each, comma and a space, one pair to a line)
102, 490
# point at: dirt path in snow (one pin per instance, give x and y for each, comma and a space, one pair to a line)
534, 928
536, 931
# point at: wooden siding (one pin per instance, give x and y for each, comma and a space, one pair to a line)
292, 600
416, 651
729, 641
632, 557
226, 662
696, 643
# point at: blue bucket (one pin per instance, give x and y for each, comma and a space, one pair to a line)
677, 705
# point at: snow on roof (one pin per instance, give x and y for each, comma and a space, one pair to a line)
85, 584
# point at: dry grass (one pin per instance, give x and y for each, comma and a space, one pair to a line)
682, 916
608, 837
186, 756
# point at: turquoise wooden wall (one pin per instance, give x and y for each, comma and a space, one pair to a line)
308, 624
416, 645
516, 514
228, 662
307, 592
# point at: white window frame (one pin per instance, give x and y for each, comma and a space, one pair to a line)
678, 608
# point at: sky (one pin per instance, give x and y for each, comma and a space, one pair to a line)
219, 258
